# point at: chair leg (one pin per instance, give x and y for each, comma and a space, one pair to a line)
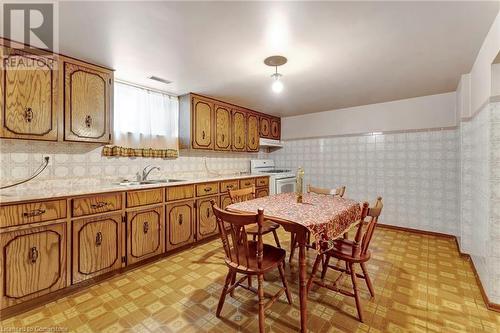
308, 240
260, 279
355, 289
250, 281
325, 266
285, 284
293, 245
314, 271
254, 237
276, 239
223, 293
233, 280
367, 279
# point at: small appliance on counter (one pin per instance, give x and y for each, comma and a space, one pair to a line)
280, 180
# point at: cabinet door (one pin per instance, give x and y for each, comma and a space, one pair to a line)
222, 128
145, 234
275, 128
180, 224
87, 99
97, 246
239, 130
262, 192
253, 132
202, 124
264, 127
206, 223
28, 98
225, 201
33, 263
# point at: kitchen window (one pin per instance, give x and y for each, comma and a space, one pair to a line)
145, 123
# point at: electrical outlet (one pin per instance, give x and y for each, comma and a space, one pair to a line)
50, 160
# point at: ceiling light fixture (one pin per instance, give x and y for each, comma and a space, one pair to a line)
275, 61
159, 79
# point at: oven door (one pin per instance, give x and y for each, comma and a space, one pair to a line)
285, 185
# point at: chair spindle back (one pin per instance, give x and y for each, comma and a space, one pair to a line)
243, 194
234, 239
338, 192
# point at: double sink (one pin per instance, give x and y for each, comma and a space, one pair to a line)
156, 181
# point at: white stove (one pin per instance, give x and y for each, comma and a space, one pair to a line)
280, 180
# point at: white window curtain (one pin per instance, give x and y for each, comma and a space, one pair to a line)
145, 119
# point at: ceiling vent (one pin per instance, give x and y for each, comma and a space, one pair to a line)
159, 79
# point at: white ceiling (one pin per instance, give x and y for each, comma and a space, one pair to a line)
340, 54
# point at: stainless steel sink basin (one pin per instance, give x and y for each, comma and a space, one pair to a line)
152, 181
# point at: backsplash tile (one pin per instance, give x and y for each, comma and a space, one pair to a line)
73, 163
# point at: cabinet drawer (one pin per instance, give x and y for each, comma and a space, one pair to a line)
144, 197
97, 204
244, 183
263, 192
228, 185
262, 181
207, 189
180, 192
32, 212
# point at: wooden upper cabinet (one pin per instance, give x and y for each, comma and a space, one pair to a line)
222, 128
33, 263
180, 224
145, 234
202, 124
28, 103
239, 130
252, 132
87, 102
97, 246
275, 128
264, 127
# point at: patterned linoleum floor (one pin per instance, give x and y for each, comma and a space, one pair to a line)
421, 285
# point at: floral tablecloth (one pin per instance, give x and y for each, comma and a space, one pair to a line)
325, 216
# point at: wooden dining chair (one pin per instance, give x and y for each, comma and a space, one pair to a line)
338, 192
268, 226
248, 257
351, 252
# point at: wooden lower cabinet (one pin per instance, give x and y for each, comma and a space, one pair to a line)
225, 201
180, 224
33, 263
206, 225
262, 192
97, 246
145, 233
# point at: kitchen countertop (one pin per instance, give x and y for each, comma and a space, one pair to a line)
47, 192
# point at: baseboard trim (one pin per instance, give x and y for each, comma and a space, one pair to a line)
489, 305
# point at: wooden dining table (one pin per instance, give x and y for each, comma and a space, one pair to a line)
326, 217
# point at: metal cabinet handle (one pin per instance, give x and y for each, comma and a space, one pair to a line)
145, 227
88, 121
253, 140
98, 238
239, 139
33, 254
180, 219
203, 134
230, 186
28, 114
34, 213
207, 189
223, 138
208, 212
99, 204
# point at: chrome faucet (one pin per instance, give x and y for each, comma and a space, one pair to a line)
146, 171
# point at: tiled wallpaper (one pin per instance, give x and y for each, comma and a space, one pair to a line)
83, 163
416, 173
480, 195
